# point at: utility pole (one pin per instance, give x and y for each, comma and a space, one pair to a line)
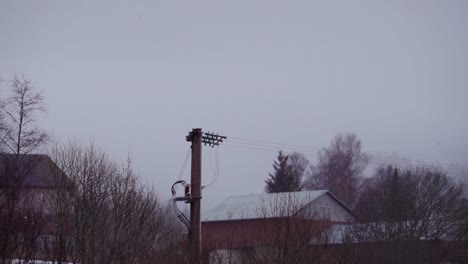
195, 204
197, 137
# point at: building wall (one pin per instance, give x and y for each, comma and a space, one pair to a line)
259, 232
233, 234
326, 207
307, 225
37, 200
231, 256
38, 204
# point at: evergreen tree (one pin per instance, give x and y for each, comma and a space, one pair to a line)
285, 178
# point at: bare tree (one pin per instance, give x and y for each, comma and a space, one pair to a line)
113, 217
292, 234
339, 168
19, 136
299, 164
410, 211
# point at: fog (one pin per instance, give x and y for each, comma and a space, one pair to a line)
135, 77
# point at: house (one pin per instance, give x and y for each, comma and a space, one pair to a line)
316, 227
242, 225
33, 177
30, 186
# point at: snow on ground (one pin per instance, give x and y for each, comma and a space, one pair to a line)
19, 261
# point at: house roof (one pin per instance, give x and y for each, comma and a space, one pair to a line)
265, 205
36, 171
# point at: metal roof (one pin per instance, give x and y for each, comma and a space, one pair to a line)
266, 205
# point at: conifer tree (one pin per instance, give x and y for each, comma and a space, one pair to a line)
285, 178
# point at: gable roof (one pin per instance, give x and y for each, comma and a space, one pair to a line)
265, 205
36, 171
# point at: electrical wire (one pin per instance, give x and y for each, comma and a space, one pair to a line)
174, 189
277, 145
247, 147
179, 214
374, 158
184, 165
216, 169
274, 143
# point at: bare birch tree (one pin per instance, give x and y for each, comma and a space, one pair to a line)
339, 168
299, 164
19, 136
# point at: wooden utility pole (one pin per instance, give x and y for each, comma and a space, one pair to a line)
197, 137
195, 222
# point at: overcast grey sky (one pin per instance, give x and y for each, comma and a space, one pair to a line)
139, 75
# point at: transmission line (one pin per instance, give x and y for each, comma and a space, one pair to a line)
270, 146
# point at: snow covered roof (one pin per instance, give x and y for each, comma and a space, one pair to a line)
262, 205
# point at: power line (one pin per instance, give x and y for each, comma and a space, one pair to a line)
374, 158
182, 169
184, 165
274, 143
273, 146
246, 147
299, 147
